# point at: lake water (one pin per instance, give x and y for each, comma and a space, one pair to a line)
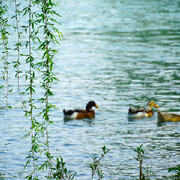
117, 53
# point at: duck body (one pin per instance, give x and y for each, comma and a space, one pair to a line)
79, 114
139, 113
142, 112
168, 117
87, 113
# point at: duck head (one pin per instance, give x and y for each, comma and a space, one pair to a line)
152, 104
90, 105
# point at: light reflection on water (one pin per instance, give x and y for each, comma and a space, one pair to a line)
118, 53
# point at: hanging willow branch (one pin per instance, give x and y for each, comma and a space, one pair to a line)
18, 44
47, 79
31, 85
4, 36
41, 30
41, 27
47, 28
30, 89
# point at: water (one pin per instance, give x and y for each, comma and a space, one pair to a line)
118, 53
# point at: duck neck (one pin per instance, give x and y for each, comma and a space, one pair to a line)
149, 108
88, 107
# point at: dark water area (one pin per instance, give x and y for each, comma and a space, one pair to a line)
117, 53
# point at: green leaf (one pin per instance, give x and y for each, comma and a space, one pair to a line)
177, 168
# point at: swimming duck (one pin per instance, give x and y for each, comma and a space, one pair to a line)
167, 117
87, 113
142, 112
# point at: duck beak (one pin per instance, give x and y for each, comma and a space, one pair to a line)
155, 105
96, 106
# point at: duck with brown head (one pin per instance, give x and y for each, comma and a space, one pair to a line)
142, 112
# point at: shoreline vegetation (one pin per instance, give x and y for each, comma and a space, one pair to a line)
59, 170
41, 31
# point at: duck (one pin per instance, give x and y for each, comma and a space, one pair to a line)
87, 113
167, 117
142, 112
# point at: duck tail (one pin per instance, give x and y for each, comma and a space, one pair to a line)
130, 109
68, 112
